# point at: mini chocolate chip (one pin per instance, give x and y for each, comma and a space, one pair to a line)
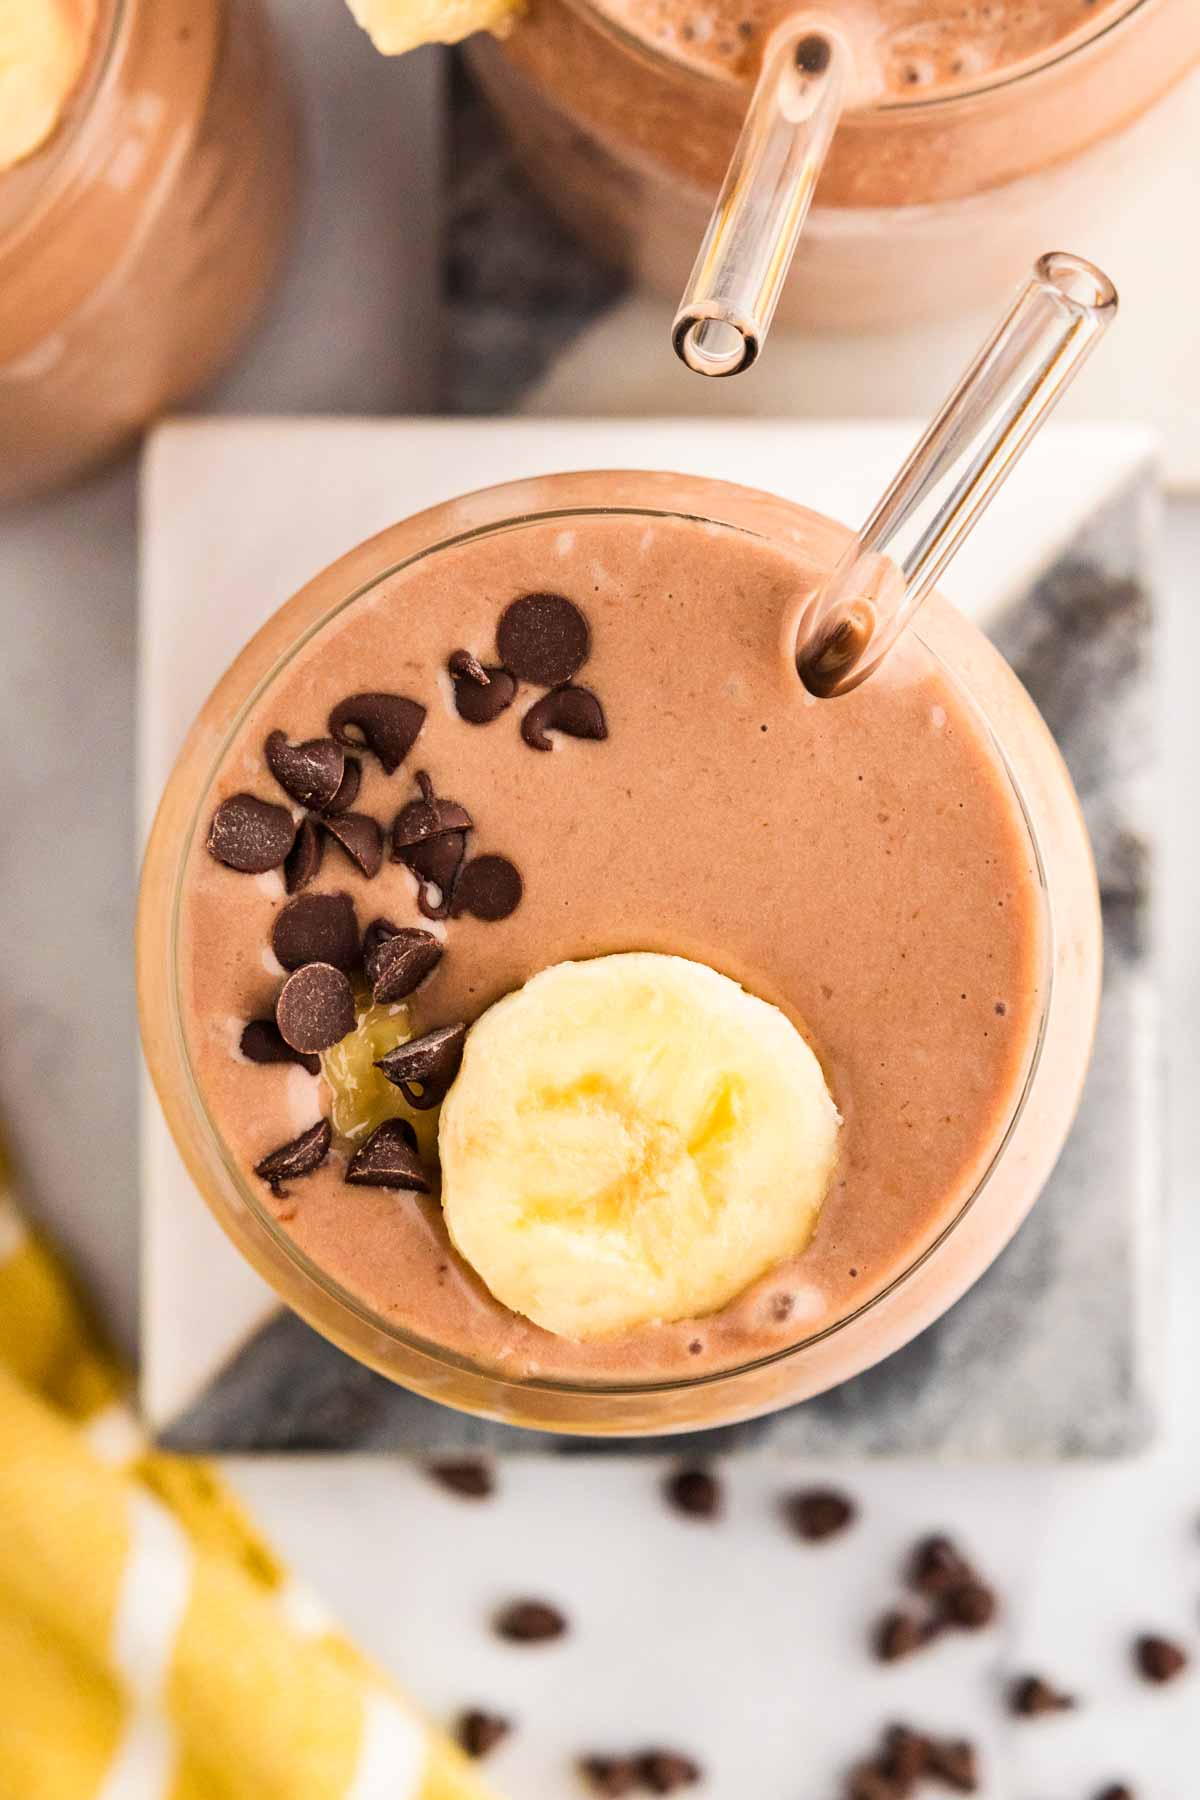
899, 1634
361, 838
489, 887
431, 1061
1031, 1696
304, 859
425, 818
937, 1565
299, 1157
317, 928
609, 1776
953, 1762
818, 1513
530, 1622
468, 1477
375, 934
311, 772
347, 794
663, 1771
866, 1781
1116, 1791
904, 1755
480, 695
696, 1492
972, 1606
389, 1159
543, 638
478, 1731
262, 1042
250, 835
386, 724
575, 711
398, 965
315, 1007
1159, 1659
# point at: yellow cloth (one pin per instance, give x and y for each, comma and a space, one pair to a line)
152, 1646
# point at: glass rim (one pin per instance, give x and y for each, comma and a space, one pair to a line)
320, 1278
1067, 48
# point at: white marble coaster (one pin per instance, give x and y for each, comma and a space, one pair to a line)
238, 513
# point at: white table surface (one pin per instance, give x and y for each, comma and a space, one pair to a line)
733, 1640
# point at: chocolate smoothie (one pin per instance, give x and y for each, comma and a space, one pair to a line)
640, 771
145, 195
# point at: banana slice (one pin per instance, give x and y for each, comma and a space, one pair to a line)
43, 47
632, 1139
398, 25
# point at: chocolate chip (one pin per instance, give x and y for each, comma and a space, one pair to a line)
375, 934
478, 1731
428, 817
1117, 1791
575, 711
866, 1781
430, 1061
250, 835
695, 1492
937, 1565
818, 1513
904, 1756
361, 838
489, 887
262, 1042
480, 695
899, 1634
530, 1622
399, 964
304, 859
469, 1477
610, 1776
315, 1007
972, 1606
953, 1762
300, 1157
543, 638
311, 772
435, 864
663, 1771
387, 724
1031, 1696
347, 794
1159, 1659
317, 928
389, 1159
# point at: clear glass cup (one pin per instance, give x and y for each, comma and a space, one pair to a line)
140, 242
924, 205
956, 1249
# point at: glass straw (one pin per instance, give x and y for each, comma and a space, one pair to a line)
731, 296
945, 485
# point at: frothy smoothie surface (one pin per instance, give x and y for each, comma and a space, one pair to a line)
640, 771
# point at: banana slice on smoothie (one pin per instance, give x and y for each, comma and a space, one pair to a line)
398, 25
44, 45
631, 1139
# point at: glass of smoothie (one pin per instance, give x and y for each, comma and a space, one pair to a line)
572, 1010
146, 169
968, 137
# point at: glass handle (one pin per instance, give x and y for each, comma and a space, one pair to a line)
730, 299
933, 503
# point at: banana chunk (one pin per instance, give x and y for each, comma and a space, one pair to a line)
398, 25
632, 1139
44, 45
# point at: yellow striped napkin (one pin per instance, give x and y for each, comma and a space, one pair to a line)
152, 1646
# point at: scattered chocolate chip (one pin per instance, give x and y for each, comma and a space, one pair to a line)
663, 1771
262, 1042
575, 711
609, 1776
317, 928
428, 817
386, 724
436, 863
543, 638
478, 1731
311, 772
866, 1781
488, 887
972, 1606
375, 934
480, 695
818, 1513
469, 1477
530, 1622
347, 794
1031, 1697
953, 1762
429, 835
300, 1157
389, 1159
899, 1634
431, 1062
936, 1566
303, 861
1159, 1659
399, 964
315, 1007
250, 835
695, 1492
904, 1756
361, 838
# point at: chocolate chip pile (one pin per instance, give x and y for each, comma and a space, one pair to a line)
542, 640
